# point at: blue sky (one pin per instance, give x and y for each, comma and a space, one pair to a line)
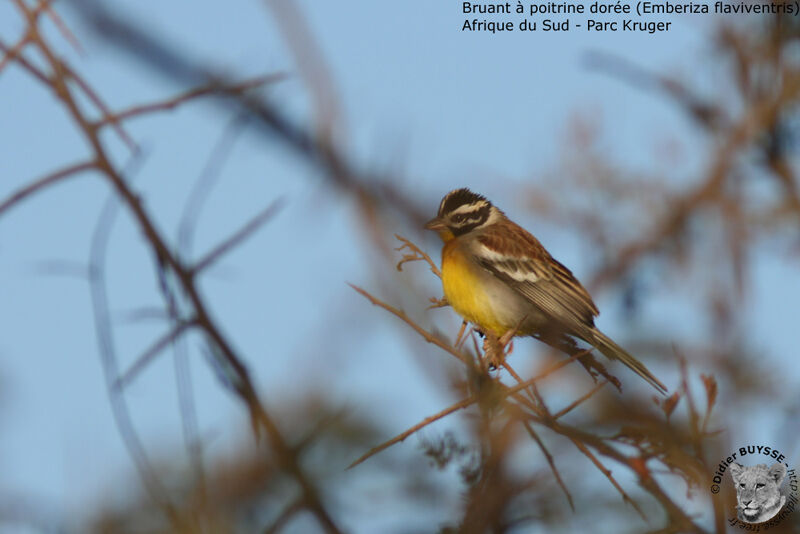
440, 107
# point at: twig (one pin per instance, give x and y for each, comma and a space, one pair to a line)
430, 338
607, 472
206, 181
301, 42
708, 115
44, 182
108, 358
147, 356
710, 384
425, 422
187, 96
98, 102
415, 255
533, 391
11, 54
238, 237
62, 27
580, 400
506, 392
550, 462
16, 55
295, 507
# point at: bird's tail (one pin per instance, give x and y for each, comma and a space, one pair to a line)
614, 352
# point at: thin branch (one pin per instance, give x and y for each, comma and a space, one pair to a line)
607, 472
148, 355
301, 42
544, 374
188, 411
577, 402
550, 462
11, 54
460, 405
62, 27
504, 393
238, 237
430, 338
415, 255
187, 96
27, 65
583, 440
206, 181
285, 516
108, 358
707, 114
99, 103
533, 392
44, 182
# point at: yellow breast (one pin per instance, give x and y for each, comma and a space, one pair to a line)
464, 291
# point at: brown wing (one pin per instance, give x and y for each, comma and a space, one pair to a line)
516, 257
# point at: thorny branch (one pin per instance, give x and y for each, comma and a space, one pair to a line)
533, 411
61, 78
655, 442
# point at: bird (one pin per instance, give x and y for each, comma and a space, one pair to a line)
500, 278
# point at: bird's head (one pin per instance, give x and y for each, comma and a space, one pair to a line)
462, 211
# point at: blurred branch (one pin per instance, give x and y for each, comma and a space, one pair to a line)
11, 54
14, 55
708, 115
460, 405
580, 400
123, 194
62, 27
313, 148
313, 68
126, 378
238, 237
173, 102
108, 358
550, 461
685, 206
285, 516
208, 177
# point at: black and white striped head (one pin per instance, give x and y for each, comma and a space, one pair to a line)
462, 211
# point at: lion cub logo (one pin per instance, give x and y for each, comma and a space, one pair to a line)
758, 493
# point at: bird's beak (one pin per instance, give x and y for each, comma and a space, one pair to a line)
435, 224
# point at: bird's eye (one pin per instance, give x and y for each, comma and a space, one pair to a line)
459, 217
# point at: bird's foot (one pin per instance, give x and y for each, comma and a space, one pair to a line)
493, 355
496, 349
